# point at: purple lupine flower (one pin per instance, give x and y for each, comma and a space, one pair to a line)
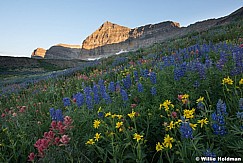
107, 98
59, 115
124, 95
66, 101
218, 129
127, 82
135, 73
79, 99
200, 105
140, 87
118, 87
153, 91
239, 115
102, 88
89, 102
201, 70
186, 130
96, 94
219, 119
100, 114
56, 115
221, 107
111, 87
145, 73
53, 114
153, 77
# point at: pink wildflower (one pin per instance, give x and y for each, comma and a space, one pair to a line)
53, 125
49, 135
74, 100
174, 114
61, 127
57, 140
180, 97
22, 109
3, 115
133, 105
31, 157
65, 139
68, 120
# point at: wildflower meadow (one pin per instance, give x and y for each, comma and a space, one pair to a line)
172, 102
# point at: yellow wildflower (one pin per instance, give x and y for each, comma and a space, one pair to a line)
159, 147
189, 113
171, 125
168, 141
241, 82
108, 114
99, 110
132, 114
227, 81
113, 116
96, 123
90, 142
200, 99
119, 124
193, 126
119, 116
97, 136
203, 121
185, 96
137, 137
166, 104
178, 122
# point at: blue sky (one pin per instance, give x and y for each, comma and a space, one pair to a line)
28, 24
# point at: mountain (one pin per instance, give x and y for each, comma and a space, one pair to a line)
111, 38
63, 51
59, 51
108, 33
38, 53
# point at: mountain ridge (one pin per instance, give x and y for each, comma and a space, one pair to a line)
111, 38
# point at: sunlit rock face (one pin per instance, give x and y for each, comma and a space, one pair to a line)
69, 46
111, 38
63, 51
108, 33
38, 53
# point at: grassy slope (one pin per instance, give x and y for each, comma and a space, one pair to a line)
50, 93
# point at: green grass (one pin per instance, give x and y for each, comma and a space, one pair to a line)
149, 117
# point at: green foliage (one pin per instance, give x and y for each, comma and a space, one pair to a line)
130, 131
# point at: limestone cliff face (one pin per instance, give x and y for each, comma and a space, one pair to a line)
108, 33
111, 38
63, 51
38, 53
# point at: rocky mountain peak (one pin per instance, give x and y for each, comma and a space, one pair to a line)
107, 33
38, 53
